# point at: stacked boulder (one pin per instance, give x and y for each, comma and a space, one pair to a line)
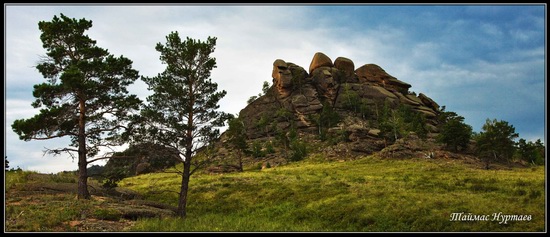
297, 95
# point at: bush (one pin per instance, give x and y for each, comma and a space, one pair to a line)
298, 150
257, 150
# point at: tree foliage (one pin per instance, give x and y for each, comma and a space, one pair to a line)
454, 132
531, 152
236, 133
294, 148
182, 111
496, 141
395, 123
84, 96
265, 91
326, 119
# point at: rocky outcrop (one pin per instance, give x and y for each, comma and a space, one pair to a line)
297, 99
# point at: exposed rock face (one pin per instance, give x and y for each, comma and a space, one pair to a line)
282, 76
297, 99
375, 74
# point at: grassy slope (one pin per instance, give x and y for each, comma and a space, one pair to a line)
366, 195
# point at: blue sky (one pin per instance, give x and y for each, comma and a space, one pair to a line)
481, 61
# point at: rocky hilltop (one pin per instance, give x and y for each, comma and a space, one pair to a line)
335, 106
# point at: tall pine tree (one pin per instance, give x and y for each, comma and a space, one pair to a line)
85, 96
182, 111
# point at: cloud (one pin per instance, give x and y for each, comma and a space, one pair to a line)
480, 61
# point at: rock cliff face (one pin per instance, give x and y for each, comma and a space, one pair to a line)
362, 98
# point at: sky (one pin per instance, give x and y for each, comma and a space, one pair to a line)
480, 61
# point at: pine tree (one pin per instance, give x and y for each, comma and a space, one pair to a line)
182, 111
496, 141
85, 96
531, 152
454, 132
237, 138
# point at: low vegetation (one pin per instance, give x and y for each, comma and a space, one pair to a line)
361, 196
364, 195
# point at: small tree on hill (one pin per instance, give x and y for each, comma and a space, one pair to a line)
237, 138
326, 119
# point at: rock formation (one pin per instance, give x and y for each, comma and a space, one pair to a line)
297, 99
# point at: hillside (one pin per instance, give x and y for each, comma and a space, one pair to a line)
365, 195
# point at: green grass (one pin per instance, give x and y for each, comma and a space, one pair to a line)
365, 195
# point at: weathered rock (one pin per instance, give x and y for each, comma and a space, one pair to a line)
406, 100
375, 74
282, 77
429, 113
319, 60
323, 80
428, 102
299, 101
410, 146
377, 92
299, 74
369, 73
345, 64
414, 98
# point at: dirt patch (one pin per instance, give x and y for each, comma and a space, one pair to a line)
95, 225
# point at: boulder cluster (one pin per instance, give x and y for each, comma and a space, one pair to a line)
334, 108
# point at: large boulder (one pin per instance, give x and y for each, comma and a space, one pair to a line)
345, 65
320, 60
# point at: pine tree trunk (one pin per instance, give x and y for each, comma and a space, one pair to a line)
240, 161
82, 162
82, 178
182, 203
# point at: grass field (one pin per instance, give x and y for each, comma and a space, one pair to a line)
365, 195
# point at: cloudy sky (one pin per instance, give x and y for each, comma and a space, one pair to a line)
481, 61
